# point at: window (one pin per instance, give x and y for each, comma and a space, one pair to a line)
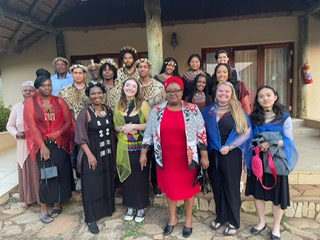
259, 65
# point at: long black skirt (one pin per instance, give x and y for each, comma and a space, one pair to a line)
278, 195
56, 190
135, 189
98, 191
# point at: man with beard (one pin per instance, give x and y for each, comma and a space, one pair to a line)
108, 73
75, 97
94, 71
153, 92
62, 77
128, 55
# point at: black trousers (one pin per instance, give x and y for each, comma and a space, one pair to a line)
225, 175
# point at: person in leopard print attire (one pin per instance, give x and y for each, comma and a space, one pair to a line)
128, 55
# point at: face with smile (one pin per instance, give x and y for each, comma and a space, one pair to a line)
96, 96
94, 71
130, 88
222, 73
194, 64
201, 84
128, 60
107, 73
266, 98
174, 93
169, 69
143, 69
78, 75
45, 89
223, 58
27, 91
224, 93
61, 67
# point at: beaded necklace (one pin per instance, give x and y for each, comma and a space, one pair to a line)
199, 97
222, 109
103, 114
49, 114
269, 115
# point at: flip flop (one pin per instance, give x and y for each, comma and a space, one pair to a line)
56, 212
46, 219
214, 226
228, 229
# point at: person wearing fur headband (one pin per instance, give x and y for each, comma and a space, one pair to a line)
94, 71
128, 55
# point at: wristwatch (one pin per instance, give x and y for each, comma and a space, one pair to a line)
230, 148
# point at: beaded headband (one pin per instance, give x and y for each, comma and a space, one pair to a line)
60, 59
92, 64
171, 63
146, 60
84, 68
110, 61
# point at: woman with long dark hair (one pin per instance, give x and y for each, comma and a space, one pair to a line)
271, 116
222, 73
200, 92
169, 68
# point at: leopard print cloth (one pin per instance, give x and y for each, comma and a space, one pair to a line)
153, 92
122, 75
75, 98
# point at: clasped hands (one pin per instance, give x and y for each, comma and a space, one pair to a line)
128, 129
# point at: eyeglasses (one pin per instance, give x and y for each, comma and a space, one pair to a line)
174, 91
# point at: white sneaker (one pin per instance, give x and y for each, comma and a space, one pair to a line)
140, 216
130, 214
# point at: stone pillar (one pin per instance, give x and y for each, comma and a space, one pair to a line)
60, 45
302, 58
152, 10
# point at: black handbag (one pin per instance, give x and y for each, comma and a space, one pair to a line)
202, 178
48, 172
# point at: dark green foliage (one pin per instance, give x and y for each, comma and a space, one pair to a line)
4, 116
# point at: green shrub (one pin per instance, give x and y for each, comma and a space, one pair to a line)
4, 116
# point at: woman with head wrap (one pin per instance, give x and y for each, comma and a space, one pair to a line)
176, 129
28, 171
49, 130
96, 139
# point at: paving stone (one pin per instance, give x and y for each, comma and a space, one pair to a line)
299, 232
26, 217
248, 206
62, 226
111, 224
31, 229
152, 229
306, 223
305, 209
11, 230
290, 211
287, 235
312, 210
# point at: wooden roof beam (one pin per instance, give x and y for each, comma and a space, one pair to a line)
28, 41
28, 20
22, 26
313, 9
55, 11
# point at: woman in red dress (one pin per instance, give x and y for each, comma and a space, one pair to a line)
177, 157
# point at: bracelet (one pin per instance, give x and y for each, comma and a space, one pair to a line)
230, 148
122, 128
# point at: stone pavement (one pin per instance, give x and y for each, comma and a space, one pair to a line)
17, 222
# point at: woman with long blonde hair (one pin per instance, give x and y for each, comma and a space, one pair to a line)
229, 137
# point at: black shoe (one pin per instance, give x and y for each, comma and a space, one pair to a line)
274, 237
93, 227
168, 230
255, 231
157, 191
186, 232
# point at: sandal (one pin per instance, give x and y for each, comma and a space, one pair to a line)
215, 226
56, 212
226, 232
46, 219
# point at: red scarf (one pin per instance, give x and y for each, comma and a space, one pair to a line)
38, 129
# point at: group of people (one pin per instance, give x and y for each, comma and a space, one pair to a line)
124, 124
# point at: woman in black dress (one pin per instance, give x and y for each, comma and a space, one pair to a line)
228, 141
271, 116
130, 117
96, 160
